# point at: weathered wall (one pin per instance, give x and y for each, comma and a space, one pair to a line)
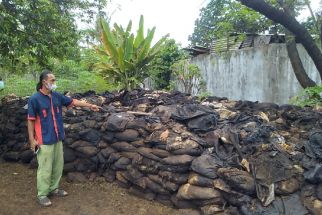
257, 74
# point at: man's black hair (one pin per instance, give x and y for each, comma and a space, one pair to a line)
43, 76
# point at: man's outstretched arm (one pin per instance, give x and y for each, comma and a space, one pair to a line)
79, 103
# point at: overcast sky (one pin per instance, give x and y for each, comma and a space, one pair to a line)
176, 17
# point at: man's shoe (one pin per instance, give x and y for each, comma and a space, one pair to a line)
59, 193
44, 201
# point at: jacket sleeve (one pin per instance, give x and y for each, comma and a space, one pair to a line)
66, 101
31, 109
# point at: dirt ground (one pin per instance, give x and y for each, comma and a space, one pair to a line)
18, 196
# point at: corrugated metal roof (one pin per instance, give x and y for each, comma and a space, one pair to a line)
238, 41
226, 44
196, 50
248, 42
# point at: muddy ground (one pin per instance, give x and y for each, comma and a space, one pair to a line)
18, 196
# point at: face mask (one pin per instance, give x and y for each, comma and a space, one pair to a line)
51, 87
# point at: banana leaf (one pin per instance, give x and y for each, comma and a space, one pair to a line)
140, 33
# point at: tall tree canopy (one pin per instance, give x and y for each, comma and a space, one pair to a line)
221, 17
33, 31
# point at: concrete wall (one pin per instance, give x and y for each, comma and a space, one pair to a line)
257, 74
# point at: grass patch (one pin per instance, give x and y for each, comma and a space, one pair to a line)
85, 81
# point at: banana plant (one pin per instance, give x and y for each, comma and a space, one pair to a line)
123, 56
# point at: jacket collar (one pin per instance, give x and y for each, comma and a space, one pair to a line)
42, 91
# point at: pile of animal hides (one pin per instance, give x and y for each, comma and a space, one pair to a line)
217, 156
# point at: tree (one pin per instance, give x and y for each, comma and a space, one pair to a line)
291, 24
189, 76
314, 22
221, 17
124, 58
31, 31
36, 29
160, 67
298, 68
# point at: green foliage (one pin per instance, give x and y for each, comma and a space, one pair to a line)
203, 95
189, 76
18, 85
124, 58
26, 85
85, 81
42, 34
310, 25
160, 67
221, 17
33, 31
313, 26
311, 96
172, 86
65, 68
89, 58
79, 73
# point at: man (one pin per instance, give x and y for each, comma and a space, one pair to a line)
46, 132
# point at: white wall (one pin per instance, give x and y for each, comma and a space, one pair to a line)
257, 74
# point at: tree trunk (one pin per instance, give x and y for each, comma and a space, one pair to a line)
296, 62
292, 25
292, 51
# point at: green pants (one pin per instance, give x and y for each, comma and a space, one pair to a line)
50, 168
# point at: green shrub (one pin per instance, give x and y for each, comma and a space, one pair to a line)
65, 68
160, 67
311, 96
203, 95
124, 57
85, 81
18, 85
189, 76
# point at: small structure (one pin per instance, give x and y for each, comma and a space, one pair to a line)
236, 41
196, 50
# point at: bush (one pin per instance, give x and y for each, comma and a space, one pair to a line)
18, 85
125, 57
65, 68
311, 96
188, 76
160, 66
84, 81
